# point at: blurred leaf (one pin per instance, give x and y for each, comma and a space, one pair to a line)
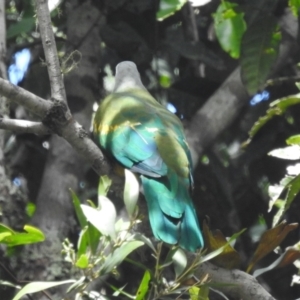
180, 262
89, 235
294, 139
276, 190
82, 242
194, 293
104, 185
10, 284
77, 284
120, 291
230, 27
131, 192
229, 258
293, 188
12, 238
79, 213
144, 286
259, 50
218, 251
168, 8
118, 255
24, 26
103, 218
288, 257
277, 108
91, 203
122, 225
270, 240
38, 286
93, 237
197, 293
294, 6
30, 209
82, 262
5, 229
293, 170
145, 240
290, 152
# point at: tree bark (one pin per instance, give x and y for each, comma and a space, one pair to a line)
65, 168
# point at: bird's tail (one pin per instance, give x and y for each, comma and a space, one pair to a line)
172, 215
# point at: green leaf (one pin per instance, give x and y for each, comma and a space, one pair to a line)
293, 188
290, 152
276, 190
82, 262
144, 239
79, 213
30, 209
144, 286
104, 185
180, 262
293, 140
168, 8
131, 192
277, 108
294, 6
118, 255
260, 46
103, 218
197, 293
24, 26
12, 238
38, 286
6, 229
10, 284
93, 238
230, 27
82, 241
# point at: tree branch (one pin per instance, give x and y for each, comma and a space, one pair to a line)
35, 104
224, 106
56, 80
2, 40
240, 284
24, 126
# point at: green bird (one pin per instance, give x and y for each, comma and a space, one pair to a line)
146, 138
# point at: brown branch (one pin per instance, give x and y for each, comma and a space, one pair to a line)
35, 104
240, 284
24, 126
56, 80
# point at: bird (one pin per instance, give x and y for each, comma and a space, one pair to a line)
146, 138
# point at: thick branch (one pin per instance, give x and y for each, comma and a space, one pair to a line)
24, 126
35, 104
72, 131
240, 284
56, 81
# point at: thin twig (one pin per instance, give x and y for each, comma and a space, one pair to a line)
24, 126
280, 80
55, 76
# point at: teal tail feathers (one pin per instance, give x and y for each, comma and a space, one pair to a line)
171, 212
